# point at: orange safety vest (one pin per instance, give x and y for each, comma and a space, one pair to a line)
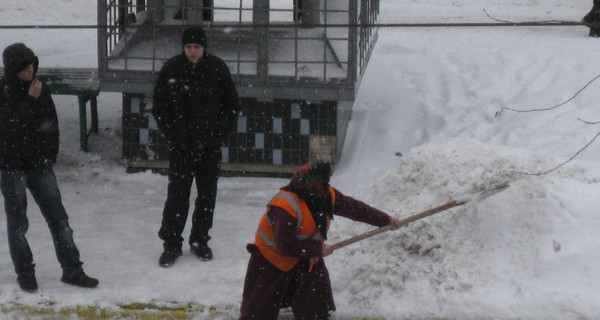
306, 229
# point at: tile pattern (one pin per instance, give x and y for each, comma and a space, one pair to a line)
268, 132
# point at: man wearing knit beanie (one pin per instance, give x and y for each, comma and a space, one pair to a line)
195, 104
193, 35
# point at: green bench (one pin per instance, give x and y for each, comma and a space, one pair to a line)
80, 82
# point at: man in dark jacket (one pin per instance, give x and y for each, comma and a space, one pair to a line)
28, 149
195, 104
286, 265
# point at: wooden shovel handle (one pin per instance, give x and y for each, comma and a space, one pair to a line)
404, 221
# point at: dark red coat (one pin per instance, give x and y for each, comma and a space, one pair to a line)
267, 289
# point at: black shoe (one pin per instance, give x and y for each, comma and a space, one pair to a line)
27, 281
168, 257
203, 252
80, 279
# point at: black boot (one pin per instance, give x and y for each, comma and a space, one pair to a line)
168, 257
79, 278
27, 281
202, 251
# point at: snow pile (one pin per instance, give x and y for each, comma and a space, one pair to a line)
497, 247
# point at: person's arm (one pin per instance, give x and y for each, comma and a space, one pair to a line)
357, 210
50, 124
230, 101
284, 228
160, 105
16, 116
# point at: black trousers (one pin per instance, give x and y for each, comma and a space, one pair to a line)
183, 169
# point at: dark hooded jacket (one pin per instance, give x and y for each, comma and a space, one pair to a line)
28, 126
195, 105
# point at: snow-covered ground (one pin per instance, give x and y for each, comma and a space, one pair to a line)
431, 94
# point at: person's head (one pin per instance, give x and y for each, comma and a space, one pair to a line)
193, 41
311, 184
20, 63
27, 73
312, 178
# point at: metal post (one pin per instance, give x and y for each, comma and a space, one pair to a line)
102, 38
260, 16
310, 12
198, 11
352, 42
156, 11
82, 98
94, 113
193, 10
140, 5
207, 13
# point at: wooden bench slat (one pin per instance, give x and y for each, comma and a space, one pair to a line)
69, 81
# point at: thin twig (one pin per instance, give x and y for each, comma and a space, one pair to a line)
560, 165
553, 107
588, 122
529, 22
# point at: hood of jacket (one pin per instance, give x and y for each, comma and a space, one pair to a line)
16, 58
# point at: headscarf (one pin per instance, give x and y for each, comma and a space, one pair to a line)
311, 184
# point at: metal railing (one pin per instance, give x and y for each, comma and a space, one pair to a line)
290, 45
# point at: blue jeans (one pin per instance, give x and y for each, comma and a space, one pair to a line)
41, 182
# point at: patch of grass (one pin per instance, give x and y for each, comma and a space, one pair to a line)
135, 310
47, 310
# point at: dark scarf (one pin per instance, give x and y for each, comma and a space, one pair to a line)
311, 184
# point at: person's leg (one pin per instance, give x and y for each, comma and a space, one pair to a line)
313, 299
13, 186
207, 176
44, 189
264, 288
207, 12
177, 205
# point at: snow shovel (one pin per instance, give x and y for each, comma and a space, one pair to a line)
476, 196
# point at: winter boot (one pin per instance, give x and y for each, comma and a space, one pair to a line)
168, 257
27, 281
202, 251
79, 278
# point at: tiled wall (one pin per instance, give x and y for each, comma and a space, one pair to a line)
275, 132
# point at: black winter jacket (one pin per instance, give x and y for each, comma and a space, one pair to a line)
28, 126
195, 105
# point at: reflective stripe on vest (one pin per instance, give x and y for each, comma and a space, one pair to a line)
295, 206
265, 241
